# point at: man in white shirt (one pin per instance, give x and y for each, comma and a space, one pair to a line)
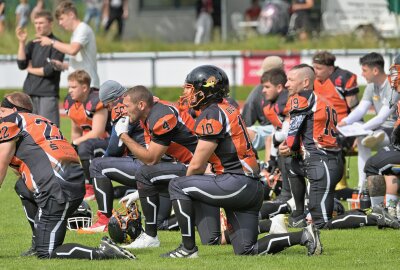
82, 47
378, 93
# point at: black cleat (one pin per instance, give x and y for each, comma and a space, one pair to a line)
384, 219
310, 239
110, 250
297, 222
30, 252
181, 252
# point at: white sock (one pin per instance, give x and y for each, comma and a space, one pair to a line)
377, 200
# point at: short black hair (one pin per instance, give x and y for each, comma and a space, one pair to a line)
275, 76
373, 60
140, 93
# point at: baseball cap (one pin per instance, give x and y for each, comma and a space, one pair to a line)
270, 62
110, 90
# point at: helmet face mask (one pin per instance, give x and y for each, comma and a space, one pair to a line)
207, 83
81, 218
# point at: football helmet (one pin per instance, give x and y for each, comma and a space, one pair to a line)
81, 218
207, 83
125, 224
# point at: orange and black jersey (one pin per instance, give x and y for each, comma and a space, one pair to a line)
118, 110
47, 163
222, 123
276, 112
166, 127
340, 84
312, 124
82, 113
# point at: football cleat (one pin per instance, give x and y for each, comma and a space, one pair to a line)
297, 222
89, 195
384, 219
109, 250
278, 225
100, 226
310, 239
144, 241
30, 252
182, 252
374, 139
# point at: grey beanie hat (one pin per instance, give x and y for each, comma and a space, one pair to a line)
111, 90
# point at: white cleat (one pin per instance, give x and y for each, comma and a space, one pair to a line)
278, 225
373, 140
144, 241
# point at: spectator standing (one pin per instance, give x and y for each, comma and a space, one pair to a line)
82, 47
299, 23
252, 13
22, 13
93, 11
116, 10
2, 15
204, 23
42, 83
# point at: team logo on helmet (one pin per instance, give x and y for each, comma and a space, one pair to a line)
125, 225
211, 82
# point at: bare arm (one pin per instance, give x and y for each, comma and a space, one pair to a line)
307, 5
67, 48
204, 150
7, 151
76, 131
35, 71
149, 156
125, 8
98, 127
21, 36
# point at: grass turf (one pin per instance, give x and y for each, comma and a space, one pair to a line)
365, 248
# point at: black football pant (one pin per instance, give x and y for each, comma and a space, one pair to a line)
323, 173
49, 225
88, 150
106, 169
29, 205
154, 180
383, 161
241, 197
351, 219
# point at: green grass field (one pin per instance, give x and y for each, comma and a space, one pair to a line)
365, 248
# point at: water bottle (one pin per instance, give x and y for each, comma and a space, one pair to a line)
354, 197
365, 200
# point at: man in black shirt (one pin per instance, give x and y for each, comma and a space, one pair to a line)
253, 108
42, 83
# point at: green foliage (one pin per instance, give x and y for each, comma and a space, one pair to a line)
106, 43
